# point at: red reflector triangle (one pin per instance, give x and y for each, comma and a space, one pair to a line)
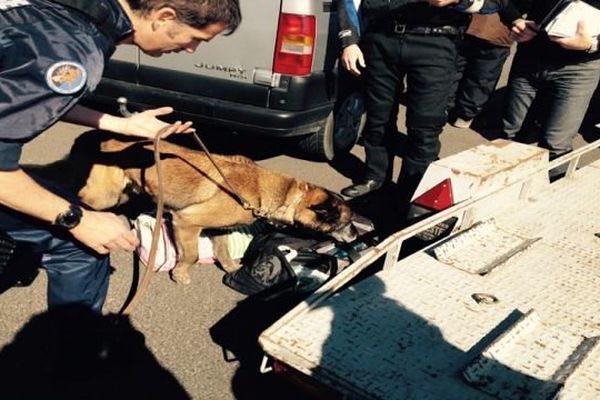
438, 197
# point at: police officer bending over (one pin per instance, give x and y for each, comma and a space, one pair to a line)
51, 54
412, 39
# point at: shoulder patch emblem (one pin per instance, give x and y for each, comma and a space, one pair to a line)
66, 77
8, 4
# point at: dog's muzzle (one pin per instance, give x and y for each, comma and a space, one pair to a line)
346, 234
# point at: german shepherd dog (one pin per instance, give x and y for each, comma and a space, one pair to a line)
196, 194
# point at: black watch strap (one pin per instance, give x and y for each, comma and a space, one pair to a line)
69, 219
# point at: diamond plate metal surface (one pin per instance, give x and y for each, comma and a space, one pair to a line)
529, 361
481, 248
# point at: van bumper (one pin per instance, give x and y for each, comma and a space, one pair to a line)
221, 113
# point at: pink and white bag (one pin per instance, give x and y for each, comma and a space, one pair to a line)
166, 253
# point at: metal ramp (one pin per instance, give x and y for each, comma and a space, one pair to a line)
532, 360
481, 248
422, 328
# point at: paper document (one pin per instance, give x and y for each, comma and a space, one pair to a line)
565, 23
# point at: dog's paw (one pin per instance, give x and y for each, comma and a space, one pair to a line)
181, 277
230, 265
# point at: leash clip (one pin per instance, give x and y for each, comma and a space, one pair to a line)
259, 213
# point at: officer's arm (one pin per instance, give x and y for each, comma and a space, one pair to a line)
352, 58
513, 11
479, 6
466, 6
144, 124
101, 231
20, 192
349, 23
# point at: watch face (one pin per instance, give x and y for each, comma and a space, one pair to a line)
70, 218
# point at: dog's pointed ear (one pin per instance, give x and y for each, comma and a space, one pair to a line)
326, 211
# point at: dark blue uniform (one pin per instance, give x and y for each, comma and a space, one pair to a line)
413, 40
51, 54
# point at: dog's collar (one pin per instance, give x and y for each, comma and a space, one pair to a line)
286, 213
283, 214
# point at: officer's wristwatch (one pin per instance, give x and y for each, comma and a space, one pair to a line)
69, 219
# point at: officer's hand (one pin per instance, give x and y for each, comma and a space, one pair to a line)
352, 58
523, 30
580, 41
104, 232
145, 124
442, 3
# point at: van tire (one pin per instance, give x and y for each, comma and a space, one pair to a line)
350, 120
317, 146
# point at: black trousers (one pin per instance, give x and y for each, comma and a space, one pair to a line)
428, 64
478, 68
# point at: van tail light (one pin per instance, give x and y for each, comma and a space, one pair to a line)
295, 44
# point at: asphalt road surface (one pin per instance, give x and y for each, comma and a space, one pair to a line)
186, 327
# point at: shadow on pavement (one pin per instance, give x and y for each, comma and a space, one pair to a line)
489, 122
70, 353
237, 333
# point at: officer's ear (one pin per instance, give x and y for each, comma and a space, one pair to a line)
162, 15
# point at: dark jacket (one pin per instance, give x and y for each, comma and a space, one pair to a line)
377, 13
541, 47
50, 56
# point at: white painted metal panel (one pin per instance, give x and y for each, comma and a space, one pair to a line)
484, 168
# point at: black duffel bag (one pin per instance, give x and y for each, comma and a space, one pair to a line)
276, 263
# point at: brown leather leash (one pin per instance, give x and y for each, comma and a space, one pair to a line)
160, 207
128, 307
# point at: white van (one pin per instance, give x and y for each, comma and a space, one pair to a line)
275, 76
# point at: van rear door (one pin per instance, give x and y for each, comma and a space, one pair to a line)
225, 68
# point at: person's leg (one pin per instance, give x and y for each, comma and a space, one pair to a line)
463, 57
522, 90
429, 61
382, 82
480, 78
76, 275
570, 90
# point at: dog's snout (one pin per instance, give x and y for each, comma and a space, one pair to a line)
346, 234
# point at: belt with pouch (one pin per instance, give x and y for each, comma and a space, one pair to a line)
444, 30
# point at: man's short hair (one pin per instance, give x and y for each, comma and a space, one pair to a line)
196, 13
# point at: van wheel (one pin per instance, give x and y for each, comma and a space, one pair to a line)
350, 119
317, 146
